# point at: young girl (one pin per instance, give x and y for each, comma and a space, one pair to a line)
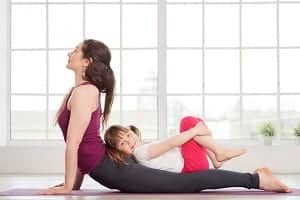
195, 143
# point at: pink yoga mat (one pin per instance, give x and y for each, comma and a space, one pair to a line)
95, 192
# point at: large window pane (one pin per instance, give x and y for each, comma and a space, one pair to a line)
259, 25
61, 79
63, 1
184, 71
28, 72
28, 117
65, 25
28, 26
115, 65
289, 31
102, 1
222, 115
290, 114
141, 111
181, 106
115, 115
139, 26
221, 25
259, 71
138, 1
259, 1
103, 23
258, 110
289, 70
184, 30
222, 71
139, 71
55, 103
185, 1
24, 1
221, 1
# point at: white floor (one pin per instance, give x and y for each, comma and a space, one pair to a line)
44, 181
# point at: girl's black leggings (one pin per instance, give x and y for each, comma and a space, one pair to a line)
135, 178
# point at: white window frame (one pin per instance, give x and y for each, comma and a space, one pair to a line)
32, 151
162, 62
4, 75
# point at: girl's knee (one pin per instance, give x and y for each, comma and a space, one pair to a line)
188, 122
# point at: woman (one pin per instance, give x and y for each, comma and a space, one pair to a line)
85, 152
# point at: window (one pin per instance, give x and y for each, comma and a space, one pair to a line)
232, 62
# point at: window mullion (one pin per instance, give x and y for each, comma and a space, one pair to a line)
47, 69
5, 24
278, 70
162, 70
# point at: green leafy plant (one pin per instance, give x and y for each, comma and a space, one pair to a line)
297, 130
267, 129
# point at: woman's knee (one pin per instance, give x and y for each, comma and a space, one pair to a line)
188, 122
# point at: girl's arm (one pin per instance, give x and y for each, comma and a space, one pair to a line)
156, 149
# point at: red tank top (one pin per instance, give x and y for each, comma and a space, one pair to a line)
91, 149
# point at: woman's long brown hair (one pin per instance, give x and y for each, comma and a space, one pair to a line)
99, 72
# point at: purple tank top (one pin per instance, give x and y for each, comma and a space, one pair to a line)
91, 149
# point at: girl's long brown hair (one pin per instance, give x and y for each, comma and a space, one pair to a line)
112, 137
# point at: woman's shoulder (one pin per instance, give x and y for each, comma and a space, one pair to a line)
85, 93
86, 90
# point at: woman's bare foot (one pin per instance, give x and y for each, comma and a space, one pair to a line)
268, 182
227, 154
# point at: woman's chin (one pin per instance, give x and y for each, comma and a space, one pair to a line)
68, 66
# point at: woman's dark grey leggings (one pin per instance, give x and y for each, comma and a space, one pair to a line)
135, 178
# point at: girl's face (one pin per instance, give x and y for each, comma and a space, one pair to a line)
128, 142
76, 61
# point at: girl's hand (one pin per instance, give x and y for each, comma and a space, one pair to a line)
201, 129
56, 190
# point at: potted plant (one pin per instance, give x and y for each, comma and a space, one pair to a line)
297, 133
267, 130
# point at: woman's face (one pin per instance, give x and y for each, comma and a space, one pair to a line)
128, 142
76, 61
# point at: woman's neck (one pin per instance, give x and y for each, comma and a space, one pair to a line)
78, 79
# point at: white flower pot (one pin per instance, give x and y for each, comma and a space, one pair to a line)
268, 140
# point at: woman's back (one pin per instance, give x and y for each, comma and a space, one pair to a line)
91, 149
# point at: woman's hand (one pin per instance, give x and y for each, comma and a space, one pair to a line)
56, 190
61, 184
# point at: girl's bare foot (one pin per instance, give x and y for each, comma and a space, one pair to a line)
213, 159
268, 182
227, 154
217, 164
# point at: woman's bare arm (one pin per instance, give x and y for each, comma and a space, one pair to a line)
81, 110
78, 180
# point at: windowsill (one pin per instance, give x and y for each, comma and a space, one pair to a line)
43, 143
